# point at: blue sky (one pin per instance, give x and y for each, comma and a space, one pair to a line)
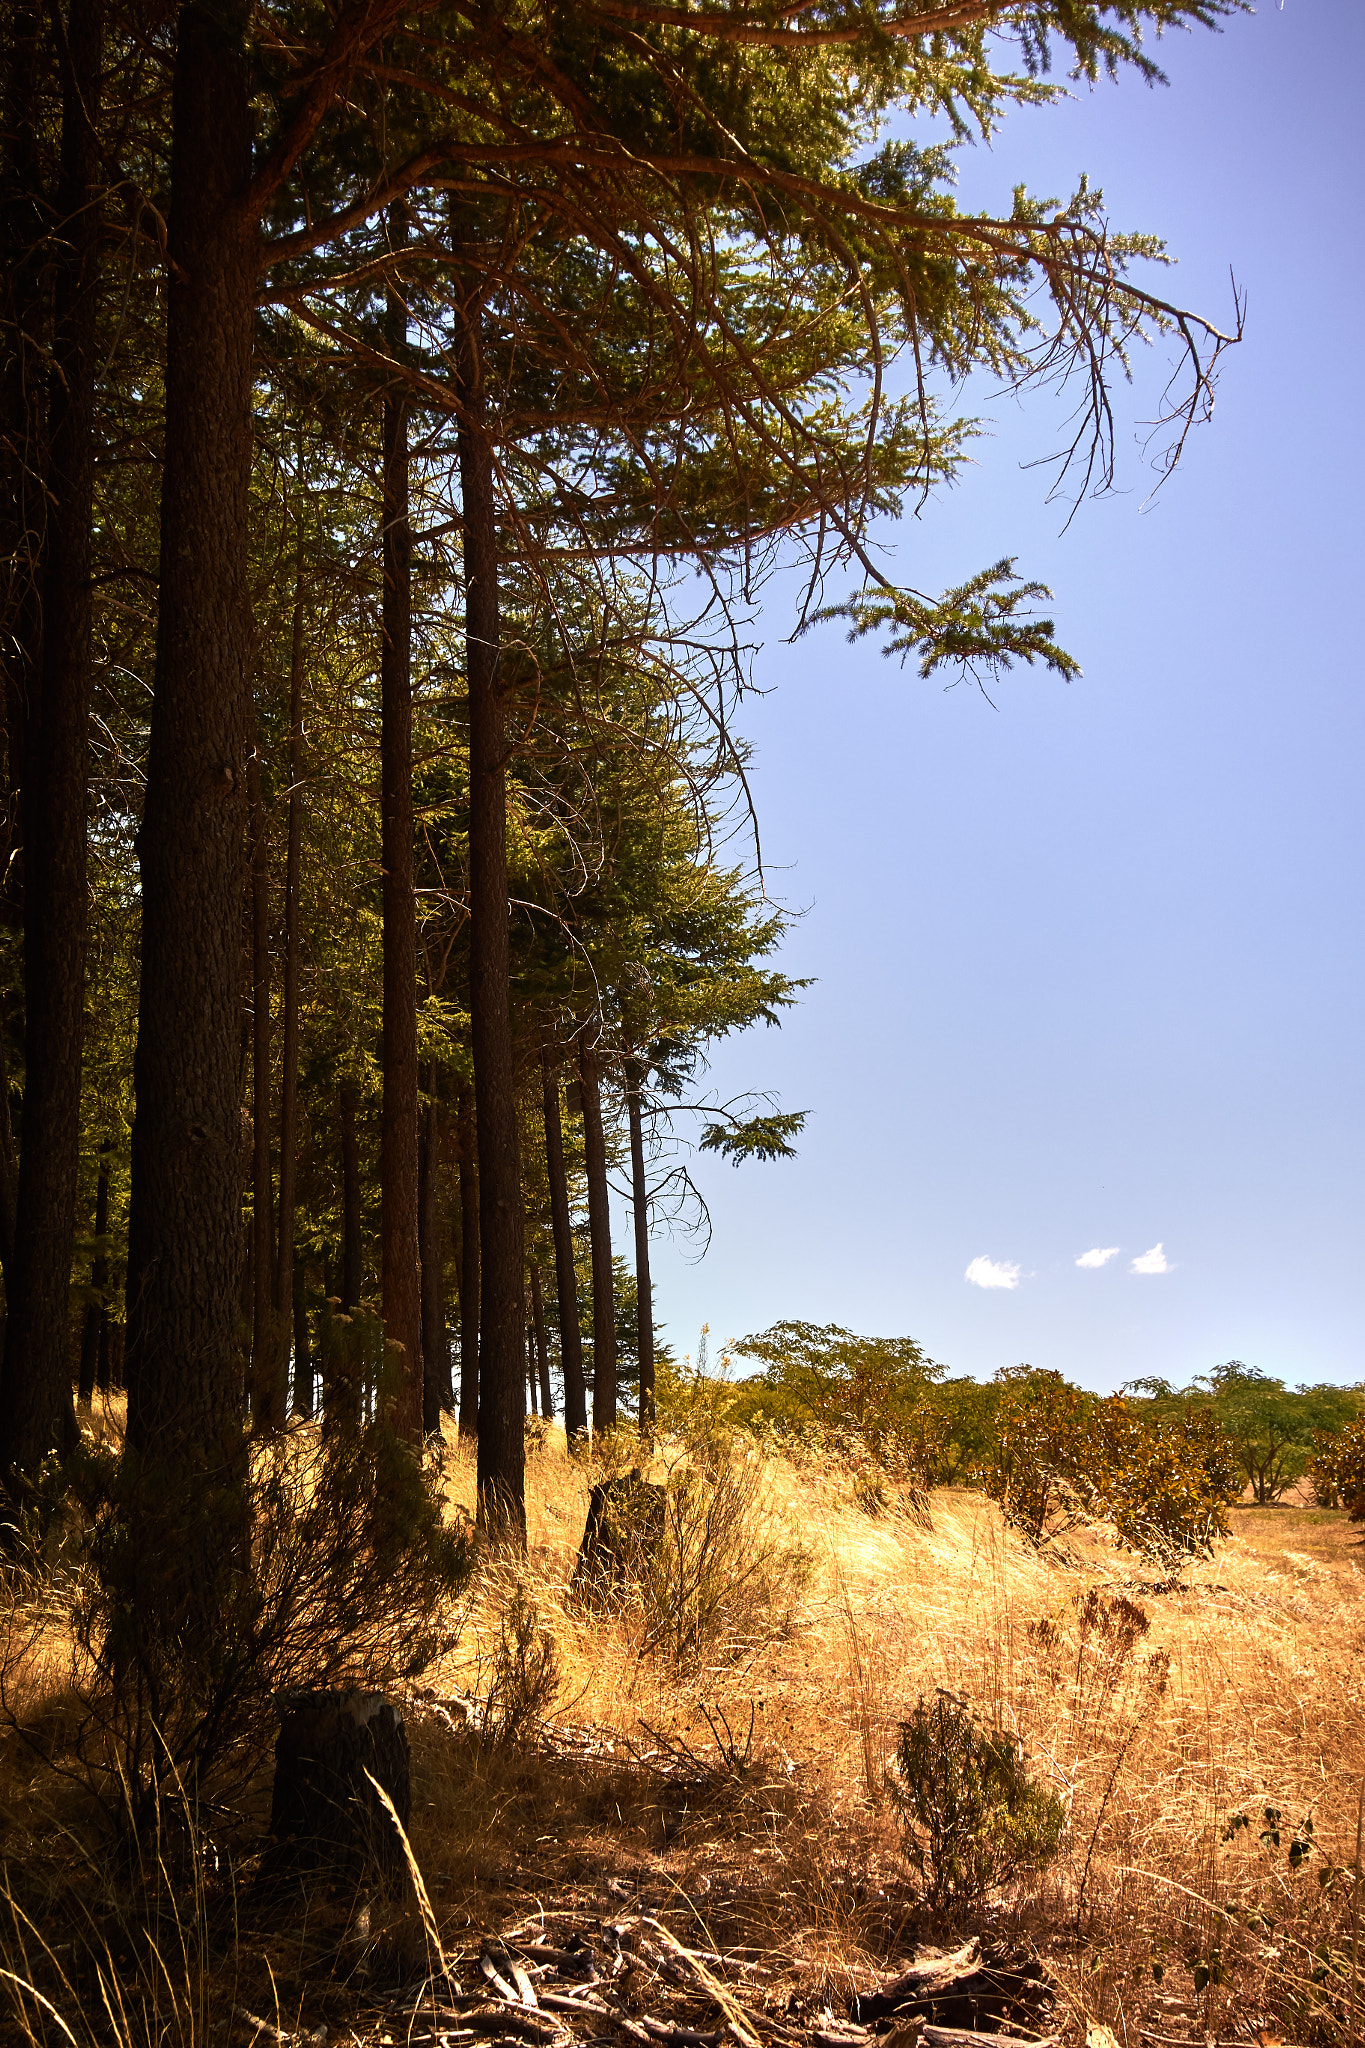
1088, 964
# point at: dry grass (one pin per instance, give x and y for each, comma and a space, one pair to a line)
1243, 1692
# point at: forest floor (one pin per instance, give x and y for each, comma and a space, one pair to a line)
699, 1811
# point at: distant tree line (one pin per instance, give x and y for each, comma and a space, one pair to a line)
1161, 1464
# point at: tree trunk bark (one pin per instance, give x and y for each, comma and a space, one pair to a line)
566, 1284
95, 1336
286, 1280
502, 1397
303, 1357
35, 1394
9, 1165
24, 228
268, 1404
22, 517
351, 1242
644, 1298
469, 1268
400, 1271
547, 1399
184, 1239
599, 1230
532, 1382
435, 1361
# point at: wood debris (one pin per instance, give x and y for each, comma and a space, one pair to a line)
570, 1981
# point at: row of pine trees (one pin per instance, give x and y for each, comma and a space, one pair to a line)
403, 404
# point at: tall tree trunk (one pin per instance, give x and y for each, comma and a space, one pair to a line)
502, 1395
469, 1267
639, 1196
351, 1245
23, 433
286, 1280
400, 1275
184, 1237
599, 1231
23, 252
566, 1284
35, 1398
532, 1382
95, 1336
9, 1165
435, 1359
547, 1399
303, 1357
268, 1404
108, 1376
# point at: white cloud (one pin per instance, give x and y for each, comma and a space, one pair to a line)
1154, 1261
984, 1272
1098, 1257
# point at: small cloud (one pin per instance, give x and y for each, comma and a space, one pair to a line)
1098, 1257
984, 1272
1154, 1261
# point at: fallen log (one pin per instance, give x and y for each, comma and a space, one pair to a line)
963, 1991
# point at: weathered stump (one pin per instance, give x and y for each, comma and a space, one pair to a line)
624, 1528
325, 1815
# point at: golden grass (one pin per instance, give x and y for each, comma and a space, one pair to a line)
1243, 1693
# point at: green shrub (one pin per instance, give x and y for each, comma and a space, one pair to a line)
1337, 1469
1161, 1477
1041, 1422
971, 1817
863, 1400
1163, 1482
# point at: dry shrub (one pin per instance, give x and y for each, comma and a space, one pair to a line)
197, 1599
721, 1574
524, 1679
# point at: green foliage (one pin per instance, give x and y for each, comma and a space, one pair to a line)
971, 1817
1270, 1430
1337, 1469
1035, 1454
861, 1398
967, 1409
755, 1137
1162, 1480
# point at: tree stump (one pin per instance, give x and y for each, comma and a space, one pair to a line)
324, 1813
624, 1527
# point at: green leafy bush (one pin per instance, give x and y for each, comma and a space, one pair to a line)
1041, 1422
1271, 1430
1164, 1481
864, 1400
1337, 1469
971, 1817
